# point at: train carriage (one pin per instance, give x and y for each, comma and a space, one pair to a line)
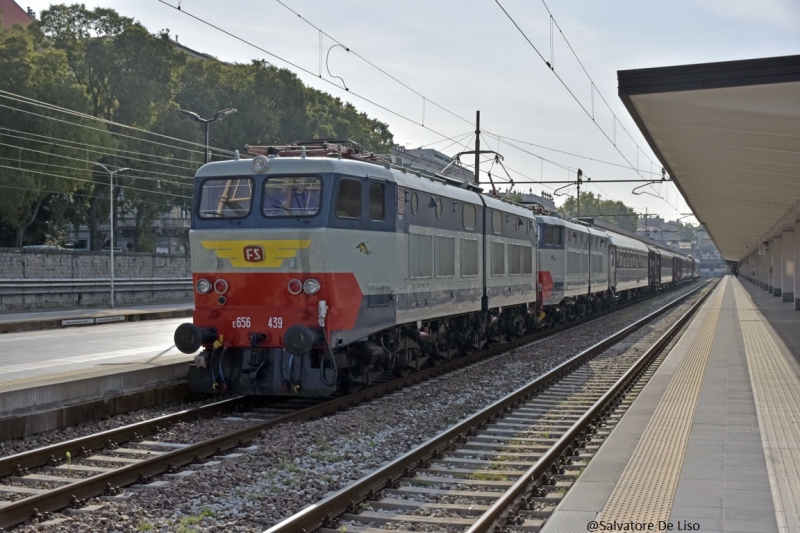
573, 267
628, 261
667, 267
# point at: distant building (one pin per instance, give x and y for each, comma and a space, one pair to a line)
171, 232
429, 160
13, 14
544, 199
194, 54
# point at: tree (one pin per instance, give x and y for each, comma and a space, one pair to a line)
34, 163
128, 74
101, 63
616, 213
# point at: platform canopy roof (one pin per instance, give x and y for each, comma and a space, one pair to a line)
729, 135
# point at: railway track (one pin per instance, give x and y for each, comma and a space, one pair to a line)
509, 464
67, 474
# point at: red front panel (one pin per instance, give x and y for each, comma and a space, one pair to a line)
262, 303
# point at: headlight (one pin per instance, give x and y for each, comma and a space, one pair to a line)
311, 286
220, 286
295, 286
259, 164
203, 286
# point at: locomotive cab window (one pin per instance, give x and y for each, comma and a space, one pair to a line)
292, 196
225, 198
377, 201
348, 201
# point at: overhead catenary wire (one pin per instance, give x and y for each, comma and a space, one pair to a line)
22, 148
295, 65
61, 176
577, 100
569, 90
53, 107
424, 97
92, 128
96, 148
62, 193
307, 71
172, 184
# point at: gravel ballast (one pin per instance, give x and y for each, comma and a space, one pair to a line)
294, 465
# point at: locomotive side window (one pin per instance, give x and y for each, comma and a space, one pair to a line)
225, 198
514, 259
348, 201
497, 222
437, 201
421, 255
293, 196
573, 262
414, 203
470, 216
377, 195
527, 259
498, 258
444, 258
469, 257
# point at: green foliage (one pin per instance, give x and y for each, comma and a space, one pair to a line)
616, 213
101, 63
35, 163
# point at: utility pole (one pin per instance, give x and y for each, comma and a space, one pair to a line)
580, 174
111, 218
477, 148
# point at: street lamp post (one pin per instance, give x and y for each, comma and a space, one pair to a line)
219, 115
111, 220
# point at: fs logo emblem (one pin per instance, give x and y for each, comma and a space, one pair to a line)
269, 254
253, 253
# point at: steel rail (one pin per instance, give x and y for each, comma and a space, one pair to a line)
324, 511
96, 441
59, 498
499, 510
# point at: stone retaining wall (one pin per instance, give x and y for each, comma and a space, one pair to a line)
55, 279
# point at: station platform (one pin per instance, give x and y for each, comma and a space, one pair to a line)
712, 443
59, 318
53, 376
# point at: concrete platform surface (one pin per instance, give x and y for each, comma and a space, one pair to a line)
712, 443
83, 316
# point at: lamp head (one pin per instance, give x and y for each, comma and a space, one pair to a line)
192, 115
219, 115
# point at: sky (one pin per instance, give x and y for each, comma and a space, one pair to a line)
426, 67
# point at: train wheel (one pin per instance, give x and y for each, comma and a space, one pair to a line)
408, 357
446, 342
350, 384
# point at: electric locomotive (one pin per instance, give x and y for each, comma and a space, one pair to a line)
317, 267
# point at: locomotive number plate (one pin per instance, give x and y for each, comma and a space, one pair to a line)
241, 322
275, 322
